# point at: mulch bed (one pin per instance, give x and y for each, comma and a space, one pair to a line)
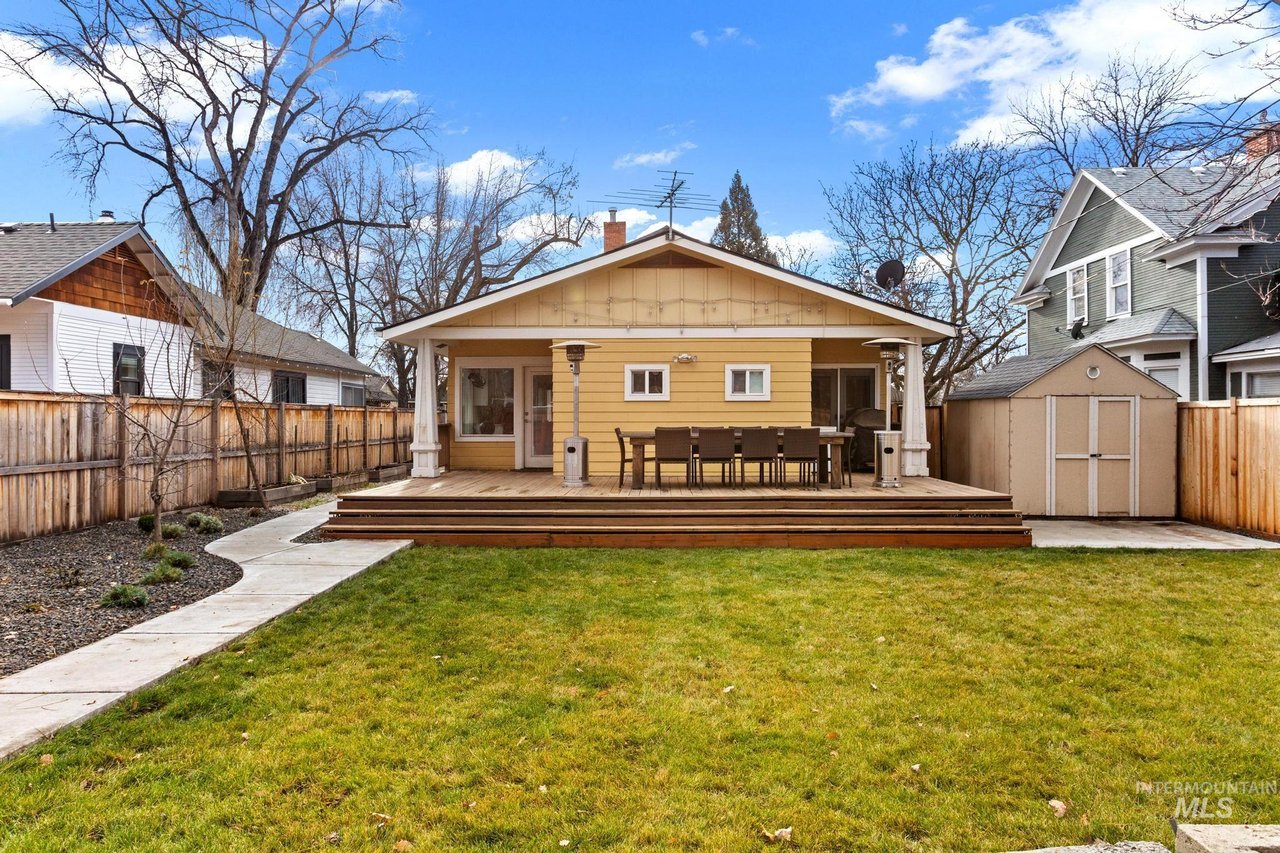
50, 586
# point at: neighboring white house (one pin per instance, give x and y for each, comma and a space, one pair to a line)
96, 308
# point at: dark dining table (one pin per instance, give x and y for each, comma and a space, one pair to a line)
830, 442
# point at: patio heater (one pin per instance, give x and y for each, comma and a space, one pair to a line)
575, 446
888, 440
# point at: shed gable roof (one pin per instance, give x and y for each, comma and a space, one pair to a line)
1016, 374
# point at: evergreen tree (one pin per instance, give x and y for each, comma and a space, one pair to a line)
739, 228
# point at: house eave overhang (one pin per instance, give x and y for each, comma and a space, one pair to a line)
52, 278
1253, 355
1208, 246
410, 331
241, 357
1147, 339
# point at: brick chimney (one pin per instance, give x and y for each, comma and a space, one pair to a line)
615, 232
1263, 141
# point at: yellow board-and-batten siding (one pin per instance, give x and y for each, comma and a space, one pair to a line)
678, 299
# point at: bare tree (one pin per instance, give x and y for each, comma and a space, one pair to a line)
229, 103
956, 216
471, 232
1133, 113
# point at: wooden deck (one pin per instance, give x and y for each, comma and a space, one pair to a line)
530, 509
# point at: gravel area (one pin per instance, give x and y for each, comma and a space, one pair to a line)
50, 586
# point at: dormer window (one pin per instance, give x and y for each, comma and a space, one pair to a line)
1119, 290
1077, 294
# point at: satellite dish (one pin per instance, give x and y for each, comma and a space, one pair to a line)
1077, 329
890, 274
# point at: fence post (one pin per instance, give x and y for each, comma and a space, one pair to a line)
215, 450
395, 435
365, 433
280, 439
330, 452
1233, 460
122, 458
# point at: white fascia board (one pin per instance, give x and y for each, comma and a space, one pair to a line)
408, 331
1273, 352
1191, 248
671, 333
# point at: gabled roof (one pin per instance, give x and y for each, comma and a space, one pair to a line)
641, 245
1152, 323
1176, 202
259, 337
1011, 376
32, 257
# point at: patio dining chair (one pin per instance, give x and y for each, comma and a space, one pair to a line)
718, 446
760, 446
800, 446
623, 459
672, 444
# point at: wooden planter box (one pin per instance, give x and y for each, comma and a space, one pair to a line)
341, 481
387, 473
275, 495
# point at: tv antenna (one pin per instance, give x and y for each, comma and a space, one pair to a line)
671, 193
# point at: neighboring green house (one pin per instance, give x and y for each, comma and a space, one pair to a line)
1160, 266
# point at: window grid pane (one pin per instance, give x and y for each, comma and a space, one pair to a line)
755, 381
739, 382
655, 381
488, 401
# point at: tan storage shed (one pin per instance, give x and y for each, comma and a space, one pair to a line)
1075, 433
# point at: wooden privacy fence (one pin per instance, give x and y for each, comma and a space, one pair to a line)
1228, 465
68, 461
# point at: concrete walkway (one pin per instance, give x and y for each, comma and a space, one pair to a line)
279, 575
1126, 533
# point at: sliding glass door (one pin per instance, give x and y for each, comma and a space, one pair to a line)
838, 392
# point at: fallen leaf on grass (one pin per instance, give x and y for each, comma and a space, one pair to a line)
334, 838
783, 834
1059, 807
542, 789
244, 736
880, 639
833, 735
915, 767
729, 689
564, 842
402, 845
46, 759
873, 686
382, 819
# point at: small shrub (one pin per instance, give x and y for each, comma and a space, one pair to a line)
180, 559
204, 523
155, 551
147, 522
126, 595
172, 530
162, 573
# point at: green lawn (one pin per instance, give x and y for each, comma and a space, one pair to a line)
485, 698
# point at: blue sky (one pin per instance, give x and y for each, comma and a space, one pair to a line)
791, 94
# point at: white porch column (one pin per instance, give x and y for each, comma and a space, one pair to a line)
915, 437
426, 428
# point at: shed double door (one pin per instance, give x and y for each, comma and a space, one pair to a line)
1092, 456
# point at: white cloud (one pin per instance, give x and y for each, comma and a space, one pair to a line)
865, 128
816, 244
899, 29
725, 36
398, 96
665, 157
20, 102
635, 217
699, 229
992, 65
482, 166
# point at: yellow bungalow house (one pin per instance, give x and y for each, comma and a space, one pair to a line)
689, 334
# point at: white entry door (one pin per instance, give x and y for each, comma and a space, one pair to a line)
1093, 456
539, 440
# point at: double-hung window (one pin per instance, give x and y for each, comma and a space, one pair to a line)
746, 382
1078, 294
128, 369
1119, 290
486, 401
647, 382
352, 394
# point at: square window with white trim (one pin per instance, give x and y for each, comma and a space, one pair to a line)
1078, 294
486, 401
1119, 290
1264, 384
647, 382
746, 382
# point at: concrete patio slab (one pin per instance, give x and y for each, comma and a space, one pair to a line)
1131, 533
279, 575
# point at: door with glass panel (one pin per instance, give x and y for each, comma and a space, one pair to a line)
538, 435
837, 392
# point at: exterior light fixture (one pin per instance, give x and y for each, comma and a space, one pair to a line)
685, 358
575, 446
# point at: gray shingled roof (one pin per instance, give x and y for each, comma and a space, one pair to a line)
1266, 342
1011, 375
1181, 200
1151, 323
266, 339
32, 255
